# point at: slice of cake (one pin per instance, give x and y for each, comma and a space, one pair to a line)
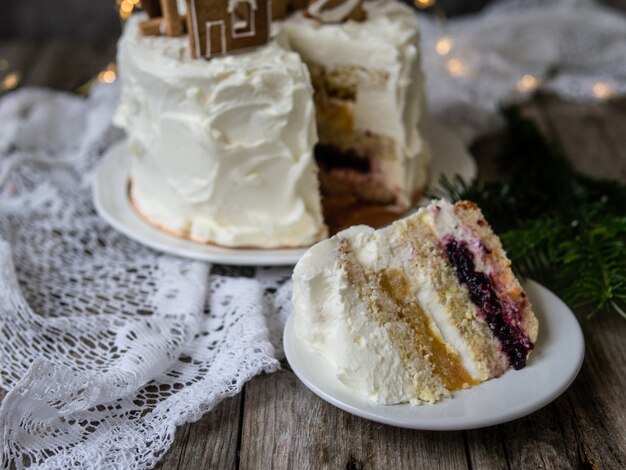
417, 310
221, 150
369, 106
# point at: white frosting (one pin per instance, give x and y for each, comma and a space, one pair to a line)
334, 320
442, 220
318, 9
387, 42
329, 316
221, 150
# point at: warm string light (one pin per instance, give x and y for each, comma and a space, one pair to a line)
126, 7
108, 75
527, 83
444, 45
10, 81
602, 90
422, 4
456, 67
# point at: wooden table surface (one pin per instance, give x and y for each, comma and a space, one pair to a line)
278, 423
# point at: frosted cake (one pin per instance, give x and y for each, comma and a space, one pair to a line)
417, 310
267, 147
221, 150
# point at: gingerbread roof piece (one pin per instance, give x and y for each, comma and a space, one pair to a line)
217, 27
336, 11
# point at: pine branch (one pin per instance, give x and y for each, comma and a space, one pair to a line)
559, 227
594, 265
534, 248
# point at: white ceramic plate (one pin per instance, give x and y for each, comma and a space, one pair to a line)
551, 369
110, 195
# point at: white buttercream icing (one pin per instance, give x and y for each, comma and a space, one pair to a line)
442, 220
336, 322
387, 43
343, 318
331, 318
319, 9
221, 150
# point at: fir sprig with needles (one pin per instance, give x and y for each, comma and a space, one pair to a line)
562, 228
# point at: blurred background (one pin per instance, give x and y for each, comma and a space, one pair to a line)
99, 19
35, 33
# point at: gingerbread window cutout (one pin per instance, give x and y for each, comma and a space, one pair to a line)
243, 17
219, 26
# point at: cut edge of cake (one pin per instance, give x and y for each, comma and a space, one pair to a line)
402, 289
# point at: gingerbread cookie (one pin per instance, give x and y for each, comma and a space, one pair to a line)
217, 27
170, 24
280, 8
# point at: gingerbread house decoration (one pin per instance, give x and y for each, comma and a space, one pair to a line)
217, 27
164, 18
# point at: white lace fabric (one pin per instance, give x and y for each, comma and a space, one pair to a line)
107, 346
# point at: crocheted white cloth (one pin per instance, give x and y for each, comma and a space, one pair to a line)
107, 346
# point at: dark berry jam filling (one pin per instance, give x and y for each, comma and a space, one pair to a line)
329, 157
515, 343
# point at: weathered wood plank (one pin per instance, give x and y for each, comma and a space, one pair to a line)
63, 65
485, 151
486, 448
533, 110
69, 18
612, 116
212, 442
595, 408
59, 64
87, 60
592, 414
585, 427
19, 56
592, 136
176, 453
51, 65
287, 426
537, 441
